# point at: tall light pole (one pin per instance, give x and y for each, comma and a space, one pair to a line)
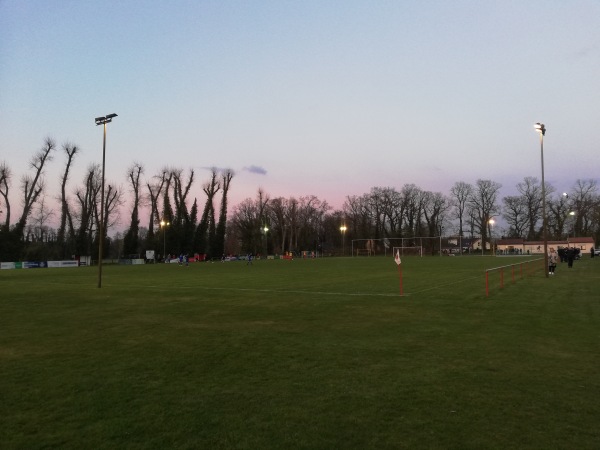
164, 224
102, 121
572, 214
343, 229
266, 229
541, 128
492, 222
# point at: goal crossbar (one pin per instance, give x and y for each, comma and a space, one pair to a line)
412, 250
427, 244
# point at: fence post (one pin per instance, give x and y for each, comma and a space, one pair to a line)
521, 269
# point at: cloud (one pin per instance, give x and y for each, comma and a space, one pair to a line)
255, 169
216, 168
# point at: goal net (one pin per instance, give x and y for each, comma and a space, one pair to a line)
426, 245
408, 251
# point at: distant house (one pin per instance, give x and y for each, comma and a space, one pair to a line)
582, 243
510, 246
459, 244
521, 246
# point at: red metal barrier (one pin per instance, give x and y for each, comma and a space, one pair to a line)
530, 269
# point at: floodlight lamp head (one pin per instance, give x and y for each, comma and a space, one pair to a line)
105, 119
541, 128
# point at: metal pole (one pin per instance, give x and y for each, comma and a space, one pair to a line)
544, 221
101, 226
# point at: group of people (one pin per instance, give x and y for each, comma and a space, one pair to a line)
563, 254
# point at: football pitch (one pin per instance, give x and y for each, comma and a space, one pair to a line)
318, 353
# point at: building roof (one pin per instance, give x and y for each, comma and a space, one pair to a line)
581, 240
562, 243
515, 241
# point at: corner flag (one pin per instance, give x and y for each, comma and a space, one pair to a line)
399, 262
397, 258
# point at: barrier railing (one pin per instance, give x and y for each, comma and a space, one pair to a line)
525, 268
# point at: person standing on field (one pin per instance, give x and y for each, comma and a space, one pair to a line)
570, 256
552, 260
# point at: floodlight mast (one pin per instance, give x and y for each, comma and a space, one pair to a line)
541, 128
102, 121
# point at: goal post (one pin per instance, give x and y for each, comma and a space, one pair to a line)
408, 251
427, 245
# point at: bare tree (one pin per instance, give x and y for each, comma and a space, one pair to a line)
435, 206
5, 180
65, 215
376, 209
391, 211
245, 220
412, 199
87, 197
460, 194
483, 206
558, 214
131, 238
311, 212
112, 201
181, 189
43, 213
277, 214
206, 229
531, 197
291, 220
357, 213
182, 227
154, 192
584, 200
515, 214
226, 177
33, 185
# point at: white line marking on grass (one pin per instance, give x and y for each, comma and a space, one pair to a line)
278, 291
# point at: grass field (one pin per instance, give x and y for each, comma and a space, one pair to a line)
300, 354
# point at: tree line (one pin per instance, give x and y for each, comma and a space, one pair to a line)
166, 194
265, 225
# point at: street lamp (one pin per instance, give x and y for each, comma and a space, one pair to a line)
541, 128
492, 222
265, 229
572, 214
164, 224
343, 229
102, 121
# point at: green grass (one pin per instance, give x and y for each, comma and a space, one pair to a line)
300, 354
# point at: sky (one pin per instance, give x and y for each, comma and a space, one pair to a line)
325, 98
